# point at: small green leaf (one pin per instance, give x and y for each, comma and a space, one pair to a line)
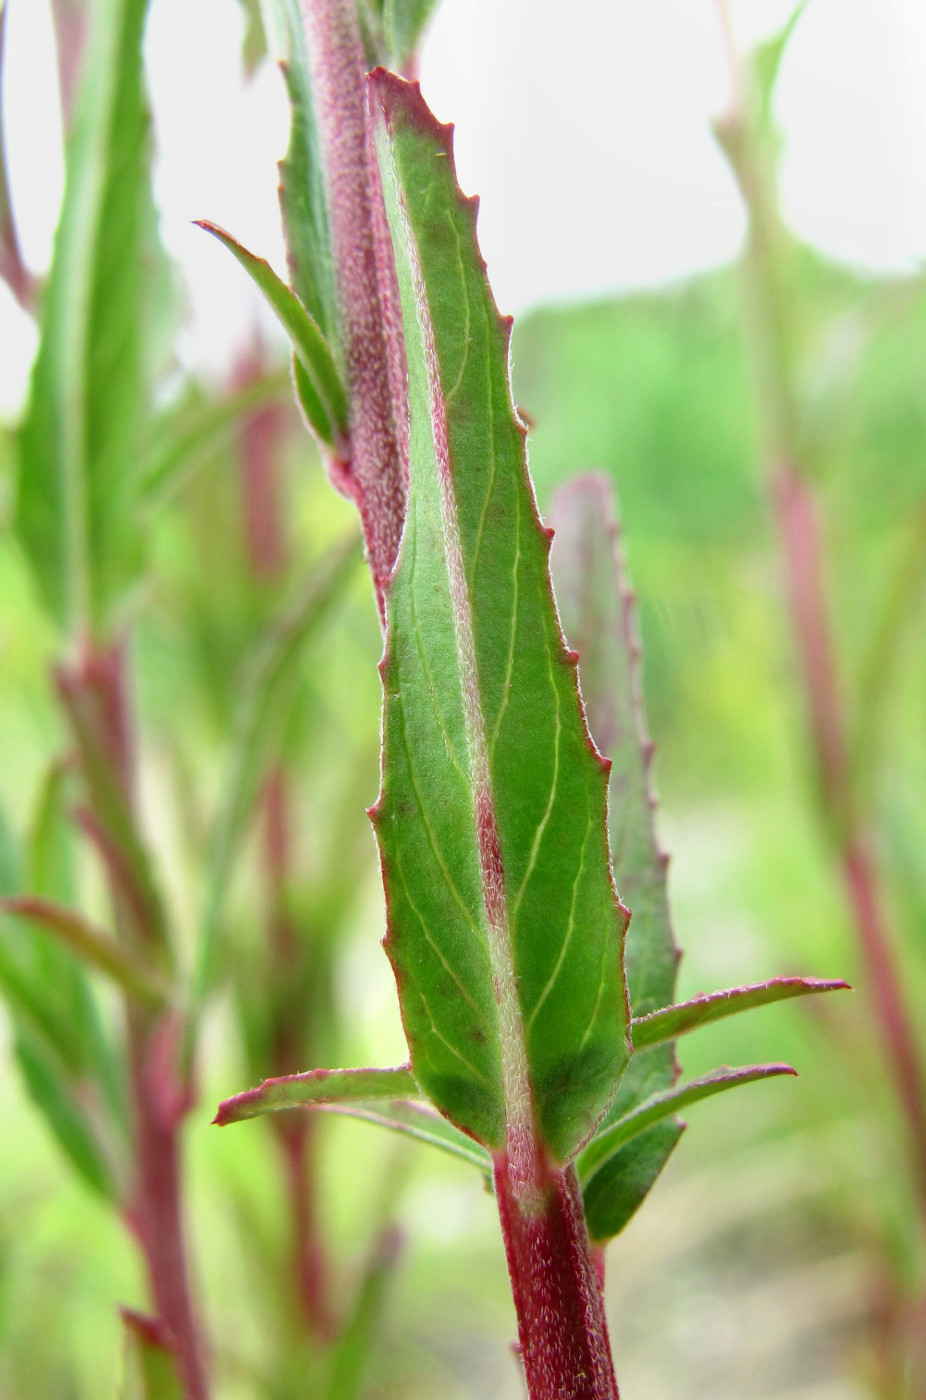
372, 1095
767, 65
613, 1137
52, 1094
88, 405
673, 1021
619, 1187
354, 1347
326, 404
503, 926
303, 202
316, 1089
597, 610
93, 945
420, 1121
404, 24
150, 1361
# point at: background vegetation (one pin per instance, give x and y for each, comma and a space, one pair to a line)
779, 1255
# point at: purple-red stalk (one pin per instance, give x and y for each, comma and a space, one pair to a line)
562, 1330
94, 694
376, 476
296, 1133
799, 531
261, 479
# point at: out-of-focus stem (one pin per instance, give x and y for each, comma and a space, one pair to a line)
562, 1329
13, 269
769, 336
376, 475
70, 20
94, 694
297, 1134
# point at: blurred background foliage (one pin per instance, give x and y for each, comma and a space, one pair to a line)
779, 1255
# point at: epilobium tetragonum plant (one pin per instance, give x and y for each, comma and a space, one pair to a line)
540, 1031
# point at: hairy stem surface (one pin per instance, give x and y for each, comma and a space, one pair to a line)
377, 473
562, 1330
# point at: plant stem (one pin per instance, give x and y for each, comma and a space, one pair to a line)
94, 693
562, 1328
769, 334
377, 473
296, 1133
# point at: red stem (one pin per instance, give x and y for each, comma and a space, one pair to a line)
376, 475
310, 1266
296, 1134
562, 1328
800, 536
156, 1213
261, 479
95, 694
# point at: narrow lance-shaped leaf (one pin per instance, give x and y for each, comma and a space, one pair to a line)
596, 607
317, 1088
661, 1026
151, 1363
369, 1094
628, 1163
302, 186
504, 930
94, 946
610, 1139
321, 392
88, 402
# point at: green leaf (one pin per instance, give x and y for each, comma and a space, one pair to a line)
302, 189
94, 946
88, 403
673, 1021
621, 1184
503, 926
354, 1349
68, 1121
150, 1361
420, 1121
389, 1097
597, 610
321, 392
404, 23
767, 64
610, 1139
316, 1089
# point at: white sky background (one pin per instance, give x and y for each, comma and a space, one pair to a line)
584, 127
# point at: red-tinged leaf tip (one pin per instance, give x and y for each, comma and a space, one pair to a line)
151, 1331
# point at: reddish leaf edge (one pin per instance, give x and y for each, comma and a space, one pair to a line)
673, 1021
391, 97
665, 1105
317, 1088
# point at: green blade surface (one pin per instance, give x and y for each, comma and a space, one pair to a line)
610, 1139
316, 1089
81, 438
504, 930
302, 186
321, 392
672, 1021
597, 610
